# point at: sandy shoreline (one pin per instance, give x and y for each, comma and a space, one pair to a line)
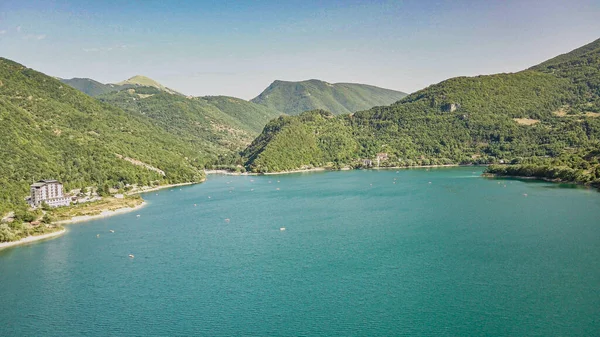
31, 239
321, 169
162, 187
316, 169
104, 214
228, 173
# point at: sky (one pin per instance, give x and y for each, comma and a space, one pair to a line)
237, 48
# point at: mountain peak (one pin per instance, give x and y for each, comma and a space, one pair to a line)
141, 80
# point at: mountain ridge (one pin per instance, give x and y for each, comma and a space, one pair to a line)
294, 97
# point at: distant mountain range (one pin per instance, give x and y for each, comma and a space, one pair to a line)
293, 98
92, 87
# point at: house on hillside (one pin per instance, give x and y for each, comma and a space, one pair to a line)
50, 192
382, 156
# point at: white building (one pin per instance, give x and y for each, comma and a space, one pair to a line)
50, 192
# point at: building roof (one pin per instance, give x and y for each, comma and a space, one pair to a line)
41, 183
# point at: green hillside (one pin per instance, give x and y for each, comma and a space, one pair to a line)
91, 87
253, 116
295, 97
50, 130
219, 125
530, 117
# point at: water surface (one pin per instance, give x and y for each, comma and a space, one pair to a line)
438, 252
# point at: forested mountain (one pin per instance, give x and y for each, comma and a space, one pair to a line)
50, 130
91, 87
295, 97
217, 124
545, 116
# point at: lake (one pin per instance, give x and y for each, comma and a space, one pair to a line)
412, 252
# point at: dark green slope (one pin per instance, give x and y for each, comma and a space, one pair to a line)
295, 97
91, 87
50, 130
582, 68
253, 116
533, 116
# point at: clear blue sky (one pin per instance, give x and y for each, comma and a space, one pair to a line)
238, 48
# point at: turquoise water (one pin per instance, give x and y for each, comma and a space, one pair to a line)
462, 255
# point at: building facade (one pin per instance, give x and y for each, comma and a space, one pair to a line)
50, 192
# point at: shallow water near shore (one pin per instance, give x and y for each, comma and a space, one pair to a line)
439, 252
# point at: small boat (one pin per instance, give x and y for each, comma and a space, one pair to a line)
209, 197
97, 235
525, 194
282, 228
227, 220
251, 189
277, 188
112, 231
430, 182
195, 205
131, 256
138, 215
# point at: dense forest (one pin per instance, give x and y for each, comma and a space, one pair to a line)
535, 116
50, 130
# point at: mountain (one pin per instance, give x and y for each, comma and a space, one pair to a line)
95, 88
49, 130
91, 87
546, 116
295, 97
219, 124
143, 81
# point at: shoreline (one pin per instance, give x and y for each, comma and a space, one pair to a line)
152, 189
73, 220
32, 239
103, 214
347, 168
316, 169
544, 179
228, 173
